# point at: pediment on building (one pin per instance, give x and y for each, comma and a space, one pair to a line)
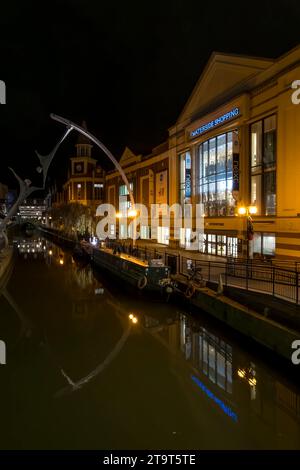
128, 157
222, 74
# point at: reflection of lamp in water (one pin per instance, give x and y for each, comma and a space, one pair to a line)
50, 252
241, 373
61, 260
252, 381
133, 318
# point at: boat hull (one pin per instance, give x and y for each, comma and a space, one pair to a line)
130, 270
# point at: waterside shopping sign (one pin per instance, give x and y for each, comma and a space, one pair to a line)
216, 122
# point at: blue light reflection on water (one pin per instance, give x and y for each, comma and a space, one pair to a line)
227, 410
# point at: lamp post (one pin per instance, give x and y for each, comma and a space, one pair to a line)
247, 212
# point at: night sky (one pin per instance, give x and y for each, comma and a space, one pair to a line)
126, 67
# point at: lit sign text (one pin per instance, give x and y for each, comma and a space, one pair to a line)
216, 122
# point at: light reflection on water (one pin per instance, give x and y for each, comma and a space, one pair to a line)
84, 376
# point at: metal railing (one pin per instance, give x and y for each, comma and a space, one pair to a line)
267, 279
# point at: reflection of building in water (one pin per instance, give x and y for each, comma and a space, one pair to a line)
288, 399
254, 396
207, 353
84, 288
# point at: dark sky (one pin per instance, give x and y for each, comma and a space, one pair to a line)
126, 67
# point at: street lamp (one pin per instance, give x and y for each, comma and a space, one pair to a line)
248, 211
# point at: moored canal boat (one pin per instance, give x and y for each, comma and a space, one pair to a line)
144, 275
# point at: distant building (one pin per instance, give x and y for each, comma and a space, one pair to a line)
3, 198
32, 209
85, 183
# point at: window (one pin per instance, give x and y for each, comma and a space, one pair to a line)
264, 244
220, 245
163, 235
215, 175
263, 166
123, 190
145, 232
79, 191
98, 191
124, 205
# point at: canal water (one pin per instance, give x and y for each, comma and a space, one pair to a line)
91, 366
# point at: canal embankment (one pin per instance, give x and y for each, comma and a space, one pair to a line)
247, 317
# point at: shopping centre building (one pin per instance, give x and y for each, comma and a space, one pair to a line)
235, 148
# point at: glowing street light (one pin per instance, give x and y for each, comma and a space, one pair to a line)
132, 213
252, 210
242, 210
248, 212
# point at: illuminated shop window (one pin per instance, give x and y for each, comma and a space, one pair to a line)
215, 175
263, 166
264, 244
220, 245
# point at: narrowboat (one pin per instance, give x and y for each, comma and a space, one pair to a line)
144, 275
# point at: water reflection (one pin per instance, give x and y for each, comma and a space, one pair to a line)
167, 380
249, 391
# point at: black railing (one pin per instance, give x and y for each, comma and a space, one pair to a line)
271, 279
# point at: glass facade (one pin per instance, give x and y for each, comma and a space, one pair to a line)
263, 166
215, 175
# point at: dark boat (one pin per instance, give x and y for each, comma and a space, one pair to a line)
144, 275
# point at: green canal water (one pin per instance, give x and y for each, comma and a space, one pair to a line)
80, 374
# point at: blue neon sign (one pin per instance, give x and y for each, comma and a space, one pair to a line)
210, 125
227, 410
